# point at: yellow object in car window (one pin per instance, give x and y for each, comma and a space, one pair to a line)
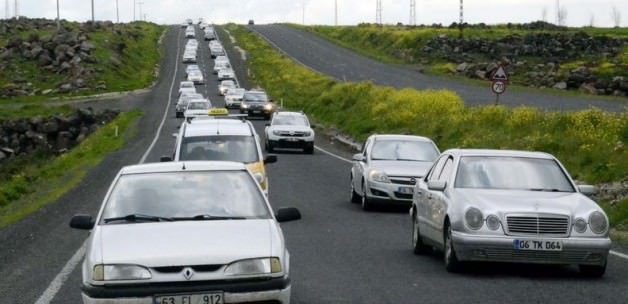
259, 172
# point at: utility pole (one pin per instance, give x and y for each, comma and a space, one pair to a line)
336, 12
117, 13
134, 5
15, 10
58, 17
92, 11
378, 12
557, 12
461, 20
412, 12
140, 4
6, 9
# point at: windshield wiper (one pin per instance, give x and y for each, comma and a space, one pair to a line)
545, 189
207, 217
139, 217
407, 159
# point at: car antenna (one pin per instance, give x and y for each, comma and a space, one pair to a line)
218, 127
183, 168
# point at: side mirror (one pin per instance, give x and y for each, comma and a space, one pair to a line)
436, 185
313, 126
165, 159
270, 159
288, 214
587, 189
358, 157
82, 221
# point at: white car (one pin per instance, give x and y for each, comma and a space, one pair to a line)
226, 74
182, 103
388, 167
189, 57
233, 98
221, 65
508, 206
186, 87
221, 58
197, 108
216, 51
289, 130
219, 240
196, 77
225, 86
191, 67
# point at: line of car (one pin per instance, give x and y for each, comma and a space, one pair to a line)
484, 205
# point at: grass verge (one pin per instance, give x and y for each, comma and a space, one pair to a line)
589, 143
43, 179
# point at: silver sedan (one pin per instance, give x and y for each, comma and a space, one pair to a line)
508, 206
388, 168
193, 232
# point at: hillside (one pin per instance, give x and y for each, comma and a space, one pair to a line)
37, 61
589, 60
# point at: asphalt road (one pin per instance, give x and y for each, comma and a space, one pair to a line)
339, 253
346, 65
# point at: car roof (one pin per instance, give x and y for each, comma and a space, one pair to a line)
287, 113
495, 152
166, 167
210, 126
401, 137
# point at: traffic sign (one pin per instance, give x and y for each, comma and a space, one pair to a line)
500, 74
498, 87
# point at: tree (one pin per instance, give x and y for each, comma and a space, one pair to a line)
616, 16
562, 16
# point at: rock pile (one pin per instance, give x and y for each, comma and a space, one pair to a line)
67, 52
552, 48
55, 134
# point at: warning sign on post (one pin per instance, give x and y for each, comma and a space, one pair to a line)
500, 75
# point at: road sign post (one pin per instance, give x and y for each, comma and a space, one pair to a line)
499, 81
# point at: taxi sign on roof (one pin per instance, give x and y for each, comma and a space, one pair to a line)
500, 74
218, 112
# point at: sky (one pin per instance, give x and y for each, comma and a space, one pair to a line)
350, 12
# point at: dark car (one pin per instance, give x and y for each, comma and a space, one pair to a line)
257, 103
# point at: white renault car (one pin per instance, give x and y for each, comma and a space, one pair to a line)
289, 130
185, 232
197, 108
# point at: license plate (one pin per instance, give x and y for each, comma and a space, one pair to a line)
405, 190
200, 298
257, 111
292, 139
539, 245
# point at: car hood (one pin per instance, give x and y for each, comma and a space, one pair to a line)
401, 168
185, 243
520, 201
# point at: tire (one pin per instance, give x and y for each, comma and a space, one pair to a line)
366, 205
592, 271
270, 147
418, 247
355, 198
449, 255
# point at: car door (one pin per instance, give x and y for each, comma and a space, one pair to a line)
426, 201
359, 167
440, 201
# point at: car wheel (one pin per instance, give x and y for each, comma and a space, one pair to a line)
451, 261
355, 198
366, 205
309, 149
417, 242
593, 271
270, 147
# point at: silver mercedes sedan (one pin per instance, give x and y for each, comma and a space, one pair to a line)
388, 167
185, 232
508, 206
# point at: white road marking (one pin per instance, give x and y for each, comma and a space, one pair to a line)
619, 254
53, 288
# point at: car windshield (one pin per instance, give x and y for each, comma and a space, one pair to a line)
241, 149
198, 105
255, 97
290, 120
235, 92
533, 174
186, 194
404, 150
187, 85
228, 83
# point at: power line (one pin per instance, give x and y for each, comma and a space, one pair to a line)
378, 12
412, 12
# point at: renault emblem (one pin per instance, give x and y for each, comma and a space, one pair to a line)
188, 273
413, 180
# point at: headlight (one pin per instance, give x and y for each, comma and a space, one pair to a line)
254, 267
474, 218
307, 133
580, 225
268, 107
379, 176
598, 222
492, 222
244, 106
120, 273
277, 133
